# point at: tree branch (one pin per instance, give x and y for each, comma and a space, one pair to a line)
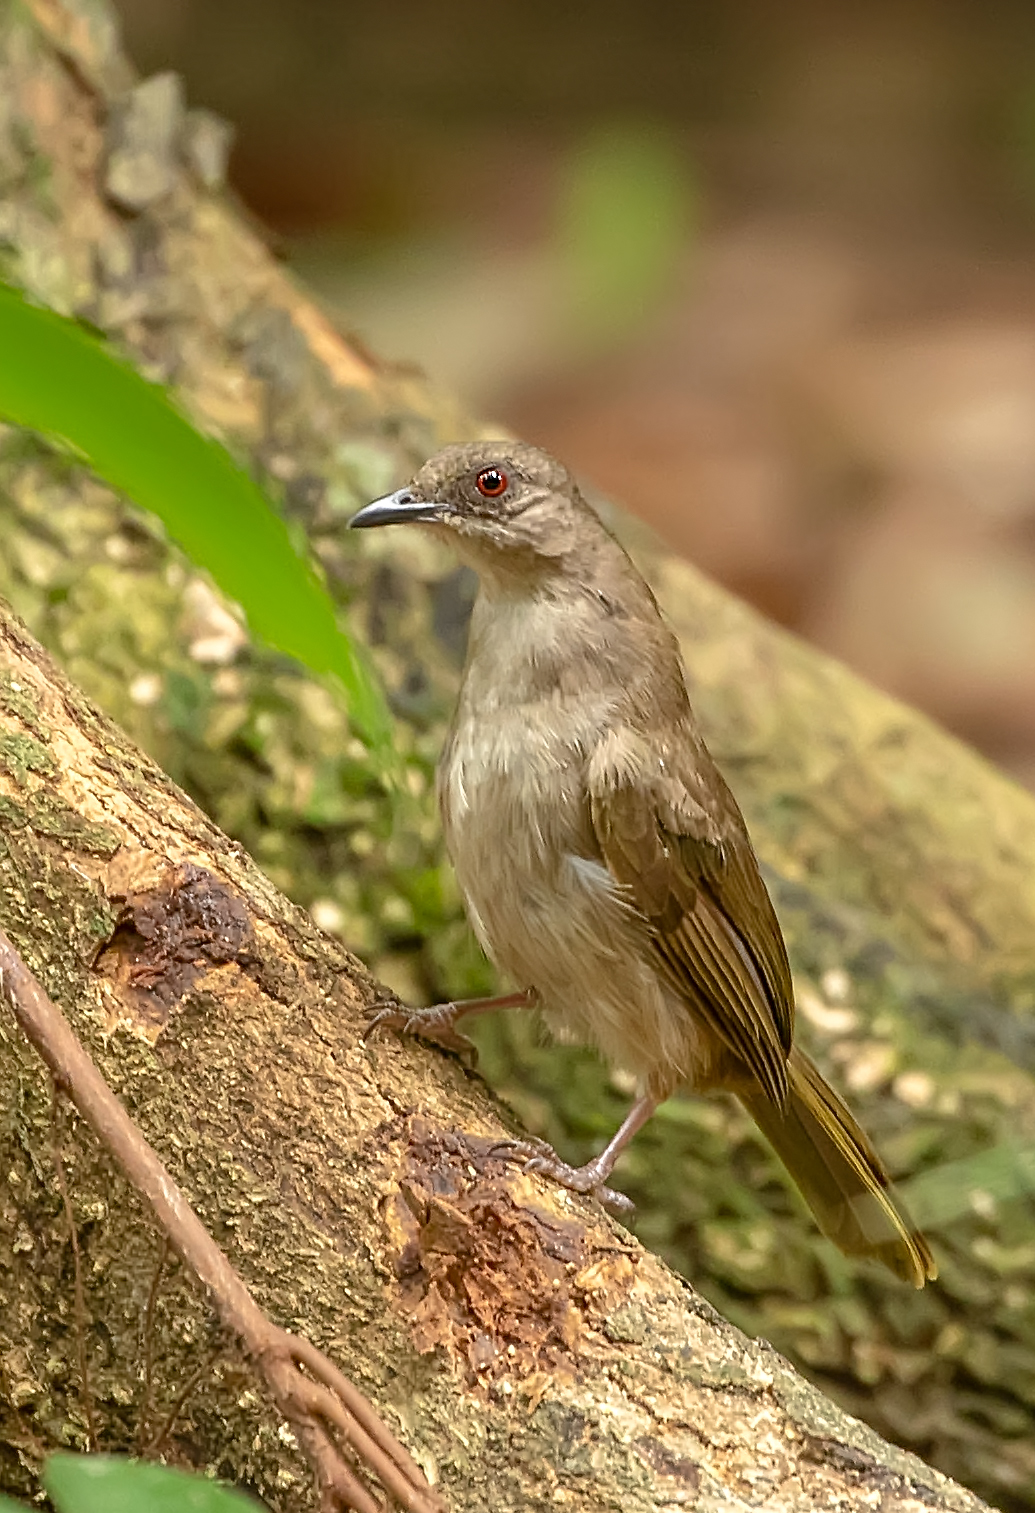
313, 1408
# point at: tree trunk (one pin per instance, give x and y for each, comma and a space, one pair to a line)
900, 861
534, 1353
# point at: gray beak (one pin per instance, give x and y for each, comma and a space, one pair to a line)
401, 508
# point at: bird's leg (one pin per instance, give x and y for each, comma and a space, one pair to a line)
537, 1156
437, 1022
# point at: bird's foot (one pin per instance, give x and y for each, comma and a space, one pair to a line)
537, 1156
437, 1024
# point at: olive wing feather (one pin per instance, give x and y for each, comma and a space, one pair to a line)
677, 843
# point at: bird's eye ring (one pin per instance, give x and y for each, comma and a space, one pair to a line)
491, 482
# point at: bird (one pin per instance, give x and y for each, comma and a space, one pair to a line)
605, 866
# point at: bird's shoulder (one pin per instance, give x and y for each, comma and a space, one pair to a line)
661, 778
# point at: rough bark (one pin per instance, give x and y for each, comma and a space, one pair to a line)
900, 861
534, 1353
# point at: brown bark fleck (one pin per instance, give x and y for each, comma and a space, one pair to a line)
167, 937
500, 1281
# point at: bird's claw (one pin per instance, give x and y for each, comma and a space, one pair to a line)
538, 1156
436, 1024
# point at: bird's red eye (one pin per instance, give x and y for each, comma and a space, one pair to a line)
491, 482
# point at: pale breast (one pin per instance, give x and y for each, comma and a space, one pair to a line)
545, 908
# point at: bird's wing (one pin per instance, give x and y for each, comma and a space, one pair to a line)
671, 834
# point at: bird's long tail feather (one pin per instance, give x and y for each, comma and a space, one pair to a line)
839, 1174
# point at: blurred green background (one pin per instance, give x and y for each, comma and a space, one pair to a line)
764, 273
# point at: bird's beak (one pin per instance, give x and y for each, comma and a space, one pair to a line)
401, 508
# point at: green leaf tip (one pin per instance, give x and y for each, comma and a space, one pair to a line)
58, 378
116, 1484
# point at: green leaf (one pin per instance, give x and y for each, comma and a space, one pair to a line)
116, 1484
56, 377
625, 215
8, 1505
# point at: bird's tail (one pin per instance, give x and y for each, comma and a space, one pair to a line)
839, 1174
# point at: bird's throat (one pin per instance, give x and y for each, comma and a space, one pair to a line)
528, 647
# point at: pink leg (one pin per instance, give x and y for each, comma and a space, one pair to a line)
437, 1022
591, 1178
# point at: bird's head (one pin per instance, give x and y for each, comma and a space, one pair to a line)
508, 509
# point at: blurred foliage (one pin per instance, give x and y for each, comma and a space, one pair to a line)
58, 378
266, 749
624, 217
116, 1484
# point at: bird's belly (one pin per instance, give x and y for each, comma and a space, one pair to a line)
550, 915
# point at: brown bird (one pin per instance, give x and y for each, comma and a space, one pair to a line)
604, 863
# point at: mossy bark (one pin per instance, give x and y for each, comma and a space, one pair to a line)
901, 864
533, 1353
